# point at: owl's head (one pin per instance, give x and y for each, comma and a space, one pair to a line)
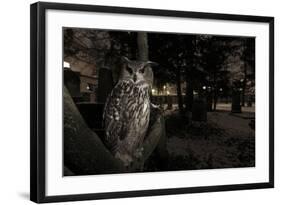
138, 72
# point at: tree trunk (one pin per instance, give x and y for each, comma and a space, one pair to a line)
244, 86
215, 99
180, 100
236, 102
142, 46
215, 91
209, 102
189, 94
143, 53
84, 152
189, 74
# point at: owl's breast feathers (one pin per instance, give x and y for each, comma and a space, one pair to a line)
126, 116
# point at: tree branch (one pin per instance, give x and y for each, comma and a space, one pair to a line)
84, 152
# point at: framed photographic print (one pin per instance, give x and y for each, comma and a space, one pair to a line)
129, 102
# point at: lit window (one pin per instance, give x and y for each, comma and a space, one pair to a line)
66, 64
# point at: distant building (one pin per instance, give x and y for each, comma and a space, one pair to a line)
168, 89
82, 88
89, 85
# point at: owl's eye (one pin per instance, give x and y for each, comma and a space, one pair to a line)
141, 70
129, 70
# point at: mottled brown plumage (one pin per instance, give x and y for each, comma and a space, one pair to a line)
127, 111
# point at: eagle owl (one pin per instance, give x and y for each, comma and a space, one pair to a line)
127, 111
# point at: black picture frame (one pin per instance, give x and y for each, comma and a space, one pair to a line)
38, 101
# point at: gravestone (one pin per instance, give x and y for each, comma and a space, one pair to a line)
169, 102
105, 84
250, 100
199, 110
72, 82
236, 102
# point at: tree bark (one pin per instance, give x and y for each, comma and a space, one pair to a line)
84, 152
142, 46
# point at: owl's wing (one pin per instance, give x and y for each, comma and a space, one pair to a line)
114, 119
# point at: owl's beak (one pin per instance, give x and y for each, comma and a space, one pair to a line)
135, 77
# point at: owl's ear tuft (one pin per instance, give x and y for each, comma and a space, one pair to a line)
124, 59
152, 64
